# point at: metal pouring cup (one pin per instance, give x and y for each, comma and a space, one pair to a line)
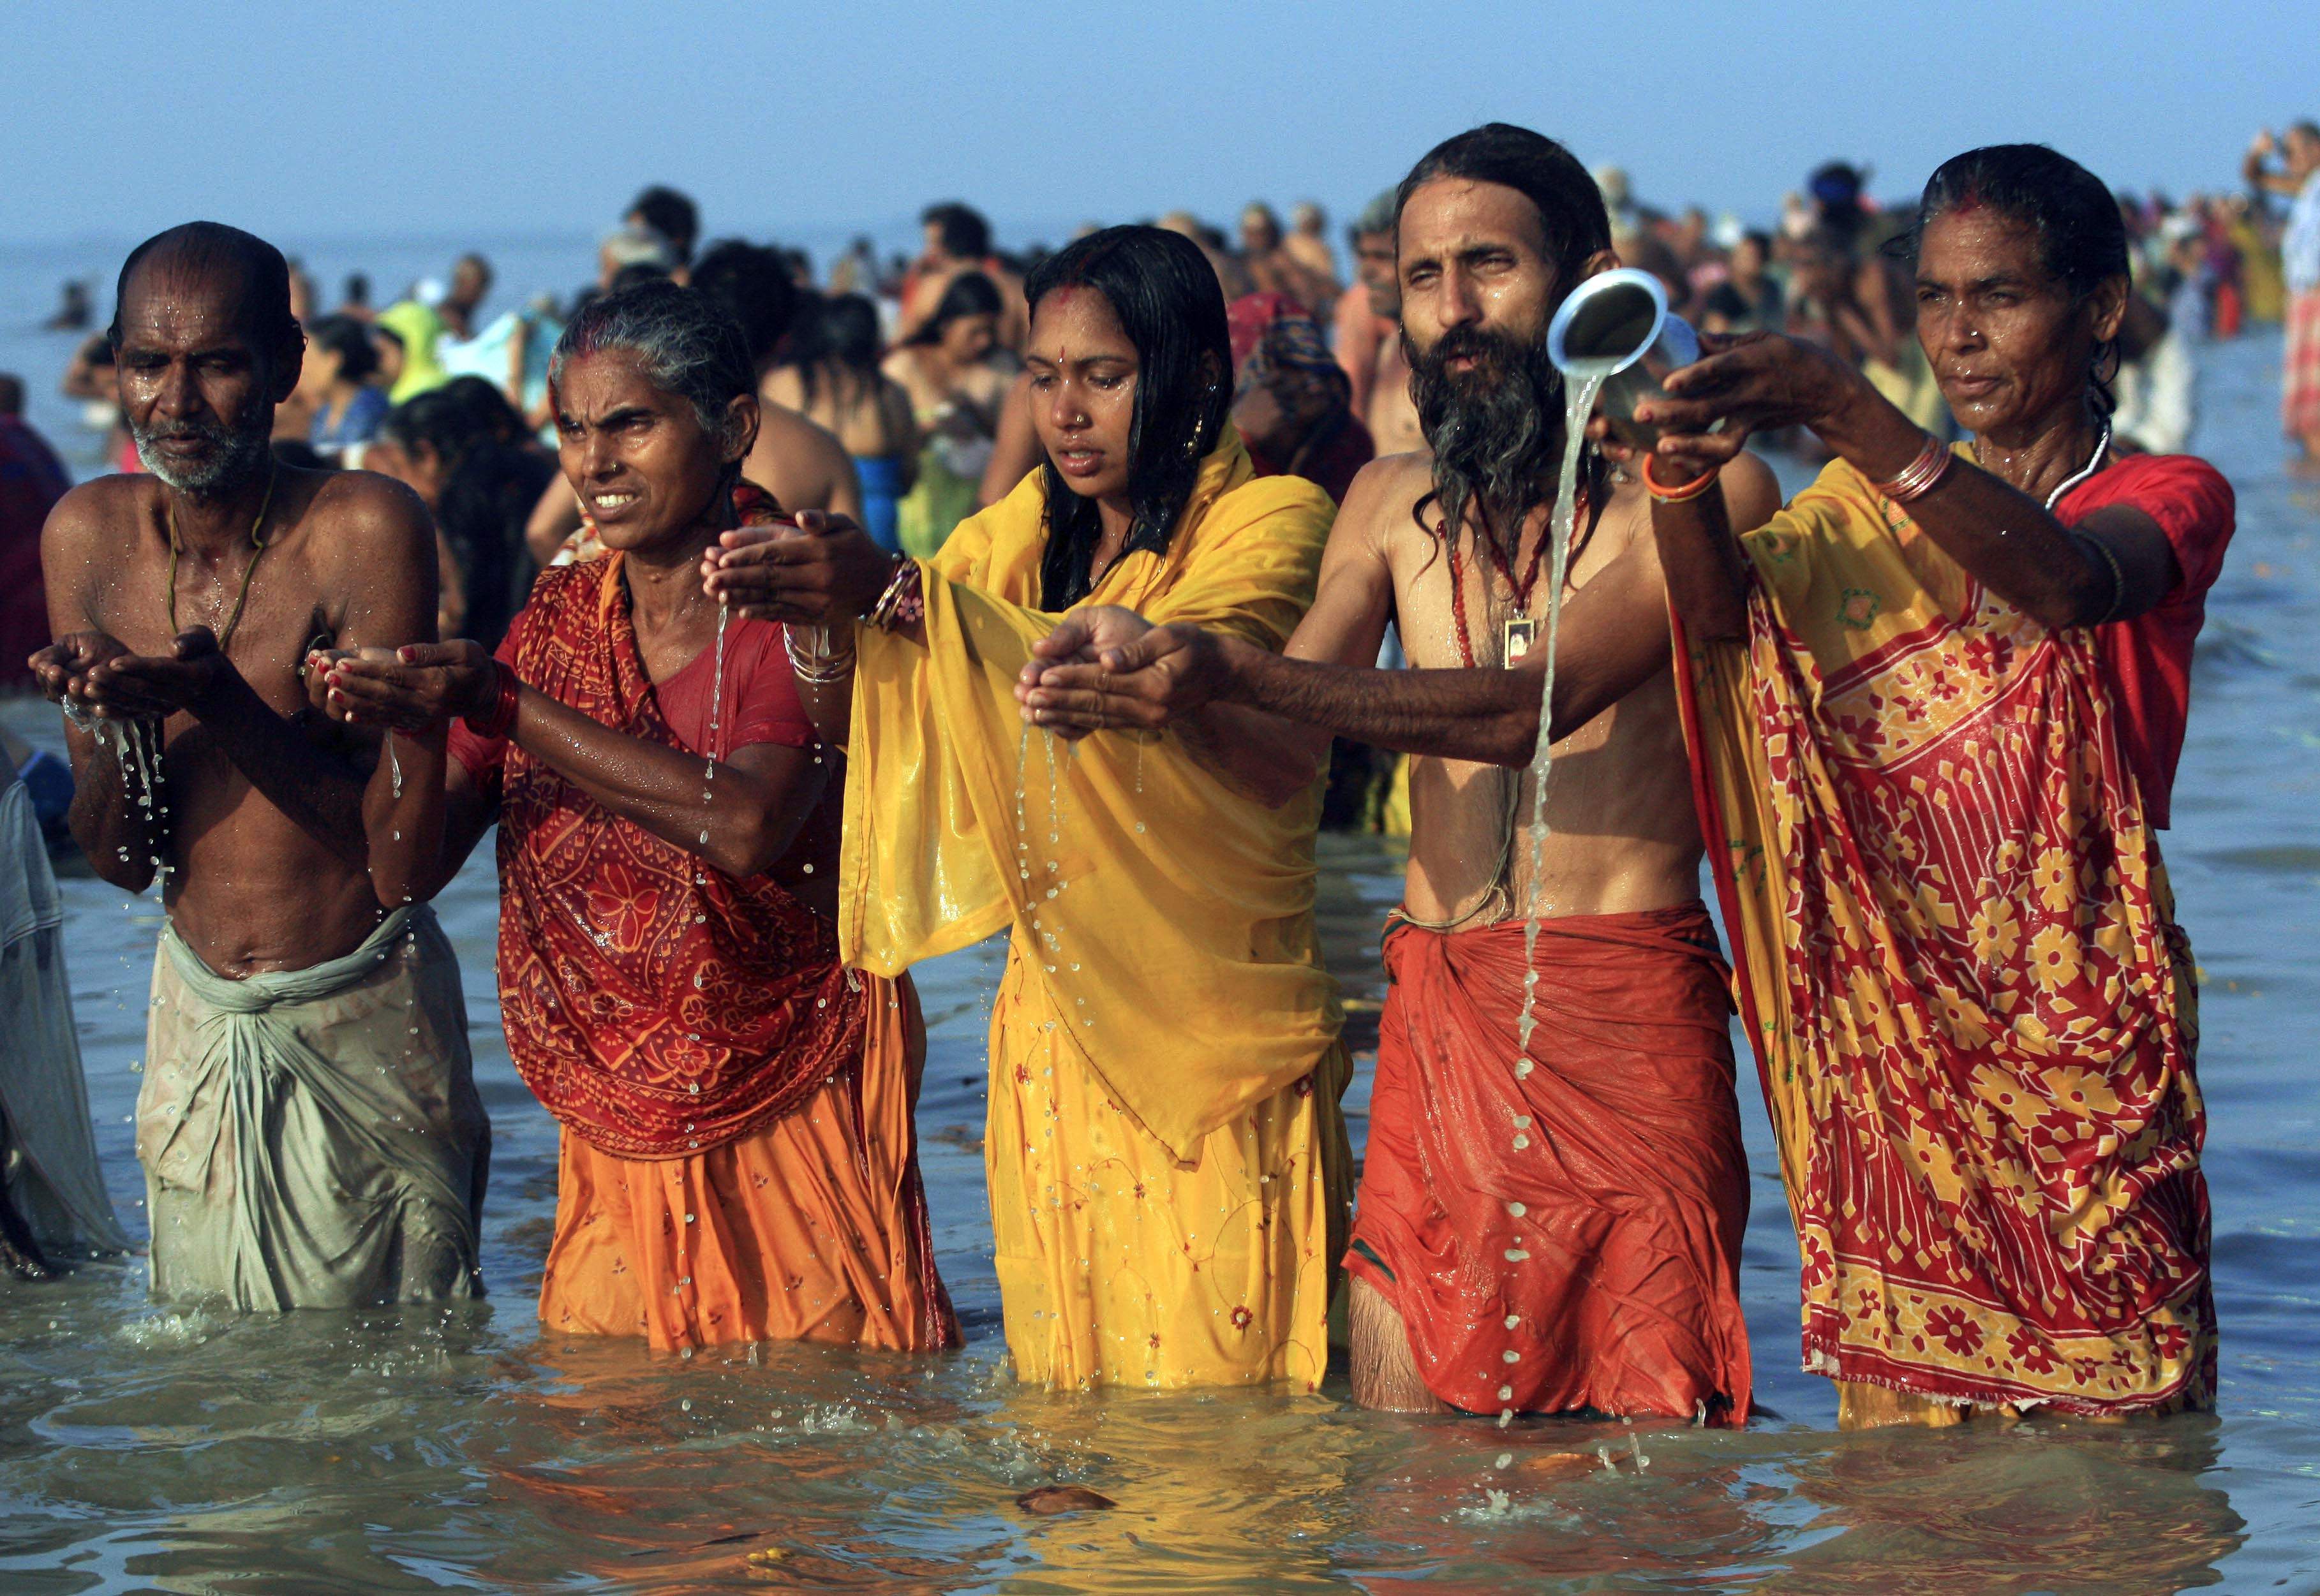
1616, 325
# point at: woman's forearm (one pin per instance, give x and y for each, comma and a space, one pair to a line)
739, 821
403, 817
2004, 538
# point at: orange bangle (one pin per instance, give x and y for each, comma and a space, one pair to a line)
1676, 495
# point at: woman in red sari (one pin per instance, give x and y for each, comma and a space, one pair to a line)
737, 1160
1936, 706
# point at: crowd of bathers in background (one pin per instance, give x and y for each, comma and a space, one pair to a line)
898, 370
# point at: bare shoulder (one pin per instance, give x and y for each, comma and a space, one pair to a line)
1751, 493
364, 515
784, 386
797, 436
1380, 505
103, 508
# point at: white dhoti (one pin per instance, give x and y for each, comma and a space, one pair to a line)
311, 1138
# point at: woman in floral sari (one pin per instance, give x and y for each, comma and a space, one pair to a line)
737, 1161
1936, 706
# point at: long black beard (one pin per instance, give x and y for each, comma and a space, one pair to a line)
1494, 429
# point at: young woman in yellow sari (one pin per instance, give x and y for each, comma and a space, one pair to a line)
1936, 707
1166, 1156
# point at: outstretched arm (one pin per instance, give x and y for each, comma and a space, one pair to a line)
740, 814
2064, 576
1614, 640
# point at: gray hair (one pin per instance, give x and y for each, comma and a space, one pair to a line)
684, 342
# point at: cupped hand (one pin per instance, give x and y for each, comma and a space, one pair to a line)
820, 569
1080, 638
61, 667
125, 686
414, 688
1752, 383
1113, 670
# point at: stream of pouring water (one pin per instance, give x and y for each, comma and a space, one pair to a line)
1580, 389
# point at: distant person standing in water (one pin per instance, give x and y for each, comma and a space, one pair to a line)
956, 387
310, 1134
2299, 179
72, 312
837, 382
1368, 336
349, 408
32, 479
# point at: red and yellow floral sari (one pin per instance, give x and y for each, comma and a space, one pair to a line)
1956, 956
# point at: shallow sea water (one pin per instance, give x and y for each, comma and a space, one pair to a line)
459, 1448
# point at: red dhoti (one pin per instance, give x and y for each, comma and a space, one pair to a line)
1568, 1237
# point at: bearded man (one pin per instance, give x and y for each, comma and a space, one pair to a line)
1550, 1216
309, 1128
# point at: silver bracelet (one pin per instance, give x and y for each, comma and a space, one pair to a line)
816, 667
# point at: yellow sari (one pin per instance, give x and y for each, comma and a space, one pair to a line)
1167, 1159
1956, 955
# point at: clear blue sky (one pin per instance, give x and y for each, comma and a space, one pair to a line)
516, 115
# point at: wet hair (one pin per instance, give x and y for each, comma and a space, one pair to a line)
969, 293
436, 420
964, 234
487, 406
1167, 298
488, 487
850, 333
349, 340
846, 336
1570, 213
672, 215
2081, 236
200, 247
684, 341
755, 287
454, 420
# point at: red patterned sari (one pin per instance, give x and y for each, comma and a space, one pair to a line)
738, 1161
1958, 962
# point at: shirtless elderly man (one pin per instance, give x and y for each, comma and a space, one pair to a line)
1548, 1222
310, 1134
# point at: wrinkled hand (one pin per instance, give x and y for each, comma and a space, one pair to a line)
1752, 383
820, 569
101, 677
61, 667
1107, 669
414, 688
